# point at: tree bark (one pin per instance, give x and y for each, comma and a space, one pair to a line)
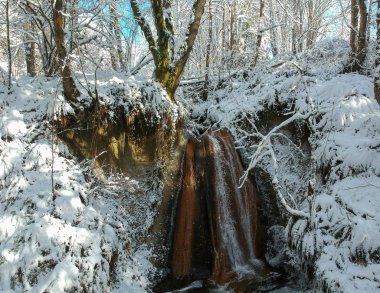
73, 23
232, 25
116, 32
185, 50
377, 61
168, 69
300, 27
259, 35
208, 51
112, 48
30, 51
315, 11
273, 33
8, 46
362, 38
224, 27
69, 89
368, 33
354, 25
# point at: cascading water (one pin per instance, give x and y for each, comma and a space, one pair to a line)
217, 234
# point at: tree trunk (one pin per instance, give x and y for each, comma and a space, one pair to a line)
168, 69
300, 28
368, 33
259, 35
362, 38
377, 61
30, 51
354, 26
314, 18
73, 22
112, 49
8, 46
208, 51
232, 25
224, 27
69, 89
273, 33
116, 32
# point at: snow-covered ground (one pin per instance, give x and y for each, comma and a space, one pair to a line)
345, 246
62, 229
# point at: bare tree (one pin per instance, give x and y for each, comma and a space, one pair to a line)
41, 19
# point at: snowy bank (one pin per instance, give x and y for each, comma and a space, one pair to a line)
62, 229
343, 250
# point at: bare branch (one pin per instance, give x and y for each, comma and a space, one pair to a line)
145, 29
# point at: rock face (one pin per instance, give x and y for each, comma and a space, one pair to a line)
217, 233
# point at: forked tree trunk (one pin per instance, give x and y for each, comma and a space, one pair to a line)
69, 89
168, 69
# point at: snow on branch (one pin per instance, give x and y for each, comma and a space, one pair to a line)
140, 64
263, 149
145, 28
265, 141
277, 188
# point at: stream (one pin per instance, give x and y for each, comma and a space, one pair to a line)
219, 239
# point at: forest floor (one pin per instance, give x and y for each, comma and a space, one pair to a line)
63, 229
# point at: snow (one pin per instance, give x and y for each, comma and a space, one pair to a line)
61, 227
344, 248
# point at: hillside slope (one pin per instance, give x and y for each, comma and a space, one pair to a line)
343, 118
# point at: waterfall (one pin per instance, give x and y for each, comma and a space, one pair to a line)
217, 234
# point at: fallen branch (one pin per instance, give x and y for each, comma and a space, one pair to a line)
265, 141
277, 188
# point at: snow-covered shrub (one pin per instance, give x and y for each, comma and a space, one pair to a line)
62, 229
339, 248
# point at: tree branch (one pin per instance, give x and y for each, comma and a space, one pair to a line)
184, 53
145, 29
